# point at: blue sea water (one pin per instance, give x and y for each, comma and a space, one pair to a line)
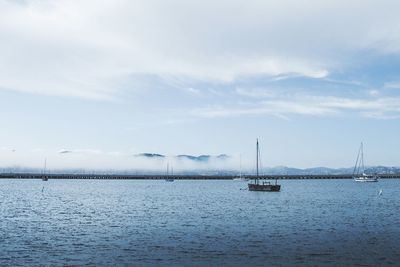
198, 223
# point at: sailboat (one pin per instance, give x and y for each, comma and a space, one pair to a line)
359, 174
168, 178
240, 178
263, 186
44, 176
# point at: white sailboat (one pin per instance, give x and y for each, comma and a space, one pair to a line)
240, 178
169, 178
44, 176
359, 174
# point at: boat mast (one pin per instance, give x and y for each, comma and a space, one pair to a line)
240, 164
44, 177
358, 161
362, 158
257, 152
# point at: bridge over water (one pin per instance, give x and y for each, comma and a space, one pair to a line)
177, 177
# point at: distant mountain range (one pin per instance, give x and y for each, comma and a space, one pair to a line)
201, 158
281, 170
149, 155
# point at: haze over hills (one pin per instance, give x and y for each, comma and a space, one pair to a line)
200, 158
157, 163
278, 170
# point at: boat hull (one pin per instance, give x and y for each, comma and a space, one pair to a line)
264, 187
366, 179
240, 179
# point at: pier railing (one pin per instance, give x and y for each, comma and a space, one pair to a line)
178, 177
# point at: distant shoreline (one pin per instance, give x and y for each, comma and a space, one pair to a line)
179, 177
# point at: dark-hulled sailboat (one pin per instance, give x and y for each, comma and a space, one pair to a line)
263, 186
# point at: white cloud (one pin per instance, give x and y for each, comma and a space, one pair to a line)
90, 49
86, 151
373, 92
379, 108
256, 92
8, 149
193, 91
392, 85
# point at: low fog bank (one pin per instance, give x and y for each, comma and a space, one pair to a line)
86, 161
98, 162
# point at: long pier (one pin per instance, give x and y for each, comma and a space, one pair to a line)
177, 177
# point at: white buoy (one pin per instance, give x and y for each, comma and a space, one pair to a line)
380, 192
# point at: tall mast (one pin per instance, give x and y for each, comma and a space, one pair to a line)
240, 164
257, 158
362, 157
356, 166
257, 161
45, 165
167, 168
359, 168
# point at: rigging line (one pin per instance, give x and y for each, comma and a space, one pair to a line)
356, 166
362, 157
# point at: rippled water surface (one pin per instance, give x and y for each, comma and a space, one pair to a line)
198, 223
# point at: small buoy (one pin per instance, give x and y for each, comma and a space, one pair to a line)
380, 192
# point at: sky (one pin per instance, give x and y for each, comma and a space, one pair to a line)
106, 80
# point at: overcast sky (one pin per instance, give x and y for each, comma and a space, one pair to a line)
109, 79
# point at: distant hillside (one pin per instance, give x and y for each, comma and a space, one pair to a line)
332, 171
201, 158
150, 155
